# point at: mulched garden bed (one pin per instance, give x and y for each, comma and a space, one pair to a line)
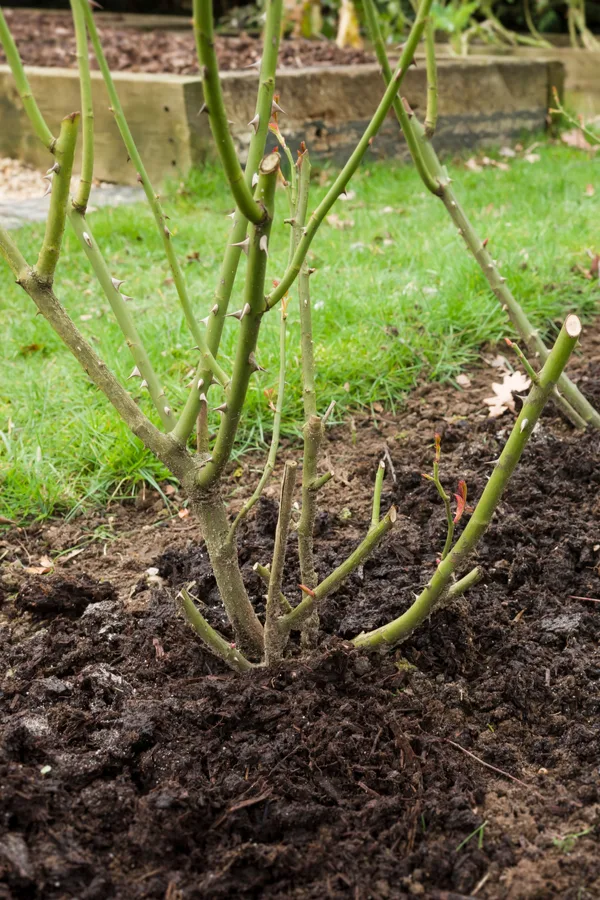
47, 39
464, 764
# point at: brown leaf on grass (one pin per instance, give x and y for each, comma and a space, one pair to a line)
574, 138
342, 224
463, 380
595, 266
503, 398
472, 165
590, 190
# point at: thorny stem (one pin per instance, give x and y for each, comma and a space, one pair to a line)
153, 200
295, 619
573, 403
265, 573
143, 367
163, 446
274, 636
377, 494
402, 627
64, 152
213, 97
211, 638
82, 196
561, 111
352, 164
250, 317
432, 80
237, 234
24, 90
83, 231
272, 457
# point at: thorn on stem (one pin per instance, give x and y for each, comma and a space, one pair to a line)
135, 373
264, 244
87, 239
255, 179
243, 244
215, 309
116, 282
254, 123
254, 365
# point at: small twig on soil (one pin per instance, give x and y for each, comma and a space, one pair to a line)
490, 766
591, 599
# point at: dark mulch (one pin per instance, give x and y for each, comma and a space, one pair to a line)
133, 765
48, 40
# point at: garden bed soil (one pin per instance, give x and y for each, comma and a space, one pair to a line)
464, 764
47, 39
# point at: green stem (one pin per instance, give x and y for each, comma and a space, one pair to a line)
211, 638
168, 451
250, 320
64, 152
212, 515
377, 493
445, 500
213, 97
542, 42
24, 90
153, 201
123, 316
560, 110
87, 110
295, 619
272, 458
233, 252
465, 583
275, 637
573, 404
12, 254
478, 524
352, 164
432, 80
265, 573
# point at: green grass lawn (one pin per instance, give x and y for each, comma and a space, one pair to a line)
396, 298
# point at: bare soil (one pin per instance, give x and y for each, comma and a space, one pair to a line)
47, 39
464, 764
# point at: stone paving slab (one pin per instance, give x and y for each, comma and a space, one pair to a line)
15, 213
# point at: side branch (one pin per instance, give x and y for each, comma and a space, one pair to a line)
153, 201
402, 627
295, 619
213, 98
60, 185
352, 164
211, 638
172, 454
27, 99
274, 636
87, 109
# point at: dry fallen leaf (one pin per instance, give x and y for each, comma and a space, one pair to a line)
463, 380
532, 157
335, 221
503, 398
574, 138
472, 165
589, 190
